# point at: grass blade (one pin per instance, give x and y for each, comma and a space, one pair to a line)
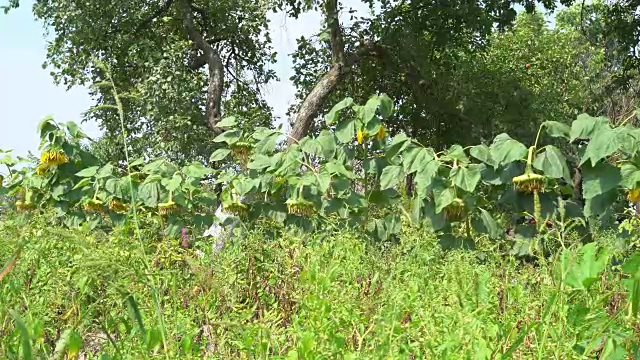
27, 352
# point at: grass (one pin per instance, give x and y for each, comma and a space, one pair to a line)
329, 295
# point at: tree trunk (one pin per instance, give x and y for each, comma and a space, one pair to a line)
214, 63
314, 101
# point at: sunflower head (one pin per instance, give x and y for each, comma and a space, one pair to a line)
455, 211
93, 206
634, 195
300, 207
53, 157
117, 206
167, 208
529, 183
241, 151
236, 207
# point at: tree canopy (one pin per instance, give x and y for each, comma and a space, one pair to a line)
183, 65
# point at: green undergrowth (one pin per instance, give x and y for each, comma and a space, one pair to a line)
329, 295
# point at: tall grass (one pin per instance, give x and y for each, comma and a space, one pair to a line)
273, 293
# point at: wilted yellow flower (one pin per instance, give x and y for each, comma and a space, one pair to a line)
300, 207
53, 158
167, 208
529, 183
116, 206
381, 133
93, 206
361, 136
455, 211
634, 195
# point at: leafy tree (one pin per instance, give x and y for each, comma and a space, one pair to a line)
181, 63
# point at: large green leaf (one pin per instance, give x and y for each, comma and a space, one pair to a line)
174, 183
504, 150
345, 130
489, 224
88, 172
552, 163
630, 176
311, 146
386, 106
368, 112
260, 162
557, 129
603, 144
597, 206
219, 154
417, 158
584, 268
229, 137
456, 152
327, 142
482, 153
196, 170
443, 197
332, 116
267, 144
228, 122
391, 176
424, 177
149, 194
466, 178
599, 179
585, 126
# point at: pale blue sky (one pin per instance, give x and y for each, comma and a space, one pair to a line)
27, 92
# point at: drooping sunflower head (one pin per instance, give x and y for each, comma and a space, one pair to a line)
529, 183
21, 206
634, 195
117, 206
167, 208
93, 206
300, 207
455, 211
241, 151
53, 157
236, 207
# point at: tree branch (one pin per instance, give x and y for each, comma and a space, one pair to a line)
163, 9
342, 63
317, 97
214, 63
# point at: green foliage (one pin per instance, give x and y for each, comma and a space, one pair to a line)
279, 293
353, 173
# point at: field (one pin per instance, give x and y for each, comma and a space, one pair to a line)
275, 293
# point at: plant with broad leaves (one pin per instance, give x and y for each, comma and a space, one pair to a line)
352, 171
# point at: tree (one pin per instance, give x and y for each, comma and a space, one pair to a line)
185, 63
180, 62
